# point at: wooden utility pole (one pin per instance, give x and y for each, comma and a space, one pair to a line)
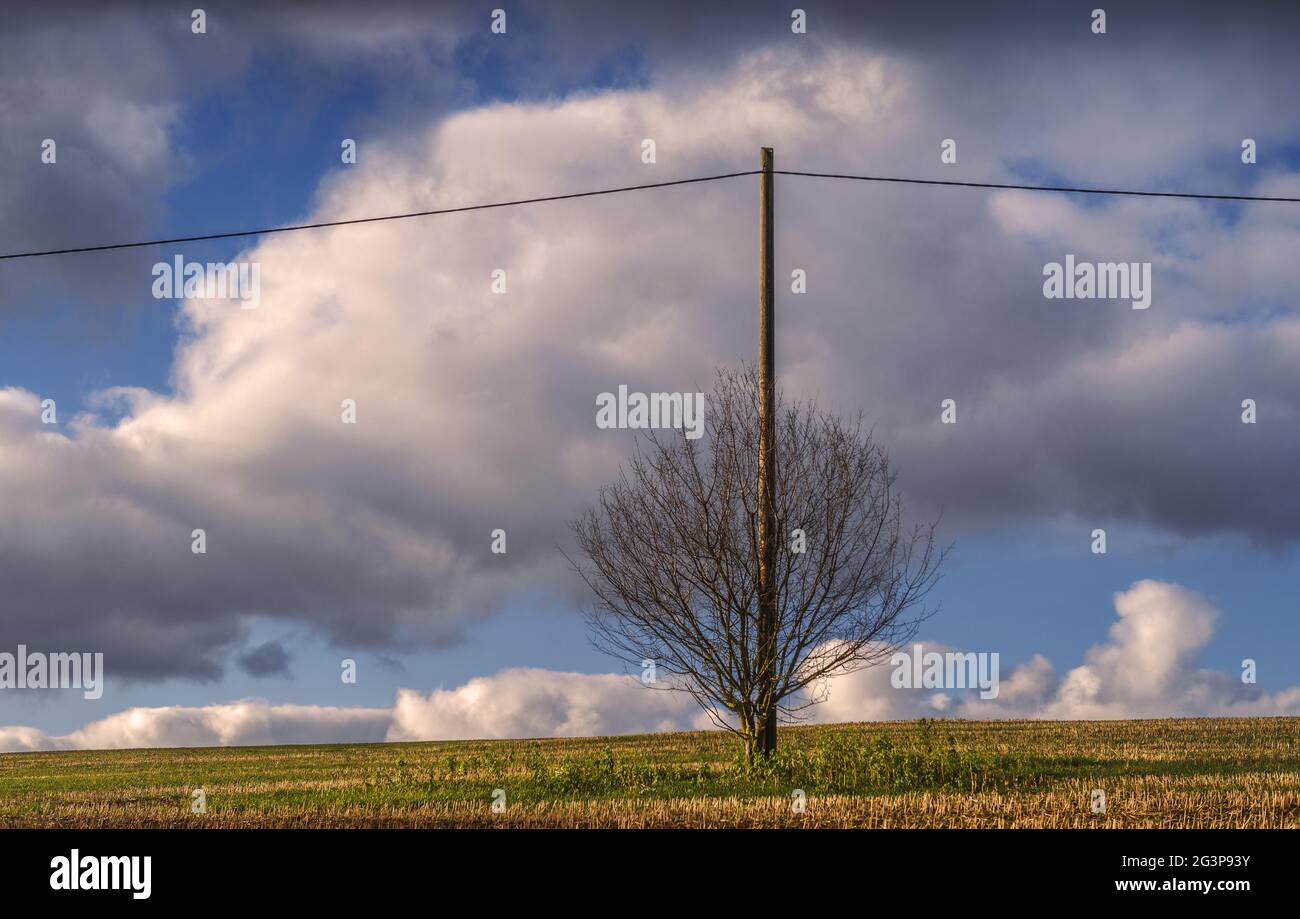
766, 456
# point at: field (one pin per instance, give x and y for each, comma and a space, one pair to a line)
1180, 773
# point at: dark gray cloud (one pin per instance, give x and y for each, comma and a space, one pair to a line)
267, 659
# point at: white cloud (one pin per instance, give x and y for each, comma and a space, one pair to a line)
1146, 669
519, 702
248, 722
1148, 663
528, 702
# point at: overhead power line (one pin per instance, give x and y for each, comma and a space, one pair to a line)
650, 185
1058, 188
343, 223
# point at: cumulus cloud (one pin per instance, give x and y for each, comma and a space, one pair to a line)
528, 702
243, 723
474, 410
519, 702
1146, 669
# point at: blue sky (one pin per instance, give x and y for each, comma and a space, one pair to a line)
946, 287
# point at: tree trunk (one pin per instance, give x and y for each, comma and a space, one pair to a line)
752, 734
765, 732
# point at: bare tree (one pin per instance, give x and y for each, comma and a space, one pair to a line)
671, 554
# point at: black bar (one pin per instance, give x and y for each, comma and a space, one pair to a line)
647, 869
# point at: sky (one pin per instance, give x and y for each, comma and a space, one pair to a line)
475, 410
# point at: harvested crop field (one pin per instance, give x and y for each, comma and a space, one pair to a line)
1235, 772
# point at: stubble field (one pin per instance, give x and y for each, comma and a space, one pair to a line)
1235, 772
